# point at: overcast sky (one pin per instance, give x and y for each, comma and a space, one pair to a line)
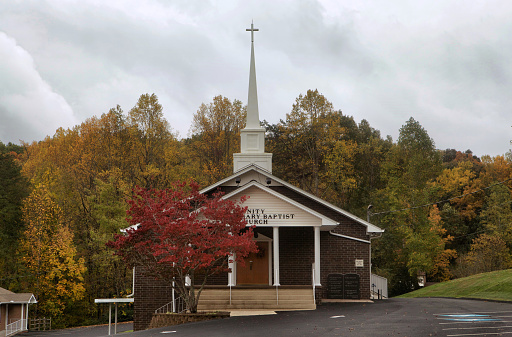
446, 63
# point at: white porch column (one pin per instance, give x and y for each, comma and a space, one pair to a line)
276, 255
231, 265
22, 318
317, 256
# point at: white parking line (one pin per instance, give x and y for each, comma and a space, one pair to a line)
475, 322
482, 334
481, 323
480, 327
474, 313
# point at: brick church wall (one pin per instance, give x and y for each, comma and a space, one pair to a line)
296, 255
338, 255
150, 294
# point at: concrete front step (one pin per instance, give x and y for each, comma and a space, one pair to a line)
250, 298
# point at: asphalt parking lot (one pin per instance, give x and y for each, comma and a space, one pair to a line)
393, 317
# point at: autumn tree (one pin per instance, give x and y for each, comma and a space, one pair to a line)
150, 134
308, 134
51, 266
180, 233
216, 136
487, 253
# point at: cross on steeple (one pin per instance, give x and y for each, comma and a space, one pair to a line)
252, 30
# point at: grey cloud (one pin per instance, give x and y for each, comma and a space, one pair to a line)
29, 109
445, 64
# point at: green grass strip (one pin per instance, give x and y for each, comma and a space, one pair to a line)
496, 285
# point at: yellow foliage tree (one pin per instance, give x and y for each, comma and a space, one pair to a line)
340, 176
441, 267
53, 271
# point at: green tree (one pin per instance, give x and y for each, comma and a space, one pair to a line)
13, 188
108, 276
412, 241
496, 217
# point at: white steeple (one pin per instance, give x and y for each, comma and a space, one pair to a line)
253, 115
253, 135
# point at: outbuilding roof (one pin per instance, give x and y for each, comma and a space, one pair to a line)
7, 296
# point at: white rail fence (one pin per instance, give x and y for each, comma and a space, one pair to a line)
378, 287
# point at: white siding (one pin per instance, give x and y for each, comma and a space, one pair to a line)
267, 210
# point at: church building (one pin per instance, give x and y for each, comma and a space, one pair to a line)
310, 251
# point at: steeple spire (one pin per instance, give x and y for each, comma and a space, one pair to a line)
252, 137
253, 116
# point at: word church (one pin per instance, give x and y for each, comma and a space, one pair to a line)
310, 251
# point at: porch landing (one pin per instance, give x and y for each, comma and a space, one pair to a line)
257, 298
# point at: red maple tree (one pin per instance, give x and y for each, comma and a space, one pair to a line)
179, 233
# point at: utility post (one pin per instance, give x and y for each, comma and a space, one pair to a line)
368, 213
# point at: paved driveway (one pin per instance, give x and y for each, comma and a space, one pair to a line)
393, 317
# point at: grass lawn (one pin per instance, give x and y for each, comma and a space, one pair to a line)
495, 285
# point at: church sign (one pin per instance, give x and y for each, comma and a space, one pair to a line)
265, 209
259, 216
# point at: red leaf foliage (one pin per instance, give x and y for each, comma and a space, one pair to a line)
182, 232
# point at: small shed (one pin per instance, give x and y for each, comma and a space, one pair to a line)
14, 311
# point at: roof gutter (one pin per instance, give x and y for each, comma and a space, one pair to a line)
349, 237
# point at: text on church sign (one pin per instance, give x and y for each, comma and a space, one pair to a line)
258, 216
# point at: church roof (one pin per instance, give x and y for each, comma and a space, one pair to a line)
295, 190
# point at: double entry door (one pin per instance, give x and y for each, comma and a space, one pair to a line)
256, 269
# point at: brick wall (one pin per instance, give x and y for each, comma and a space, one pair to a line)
296, 255
150, 294
338, 255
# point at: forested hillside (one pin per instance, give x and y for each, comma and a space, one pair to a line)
445, 212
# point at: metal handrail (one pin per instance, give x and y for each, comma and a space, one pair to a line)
15, 327
177, 306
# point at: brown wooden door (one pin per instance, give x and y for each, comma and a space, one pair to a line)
255, 270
